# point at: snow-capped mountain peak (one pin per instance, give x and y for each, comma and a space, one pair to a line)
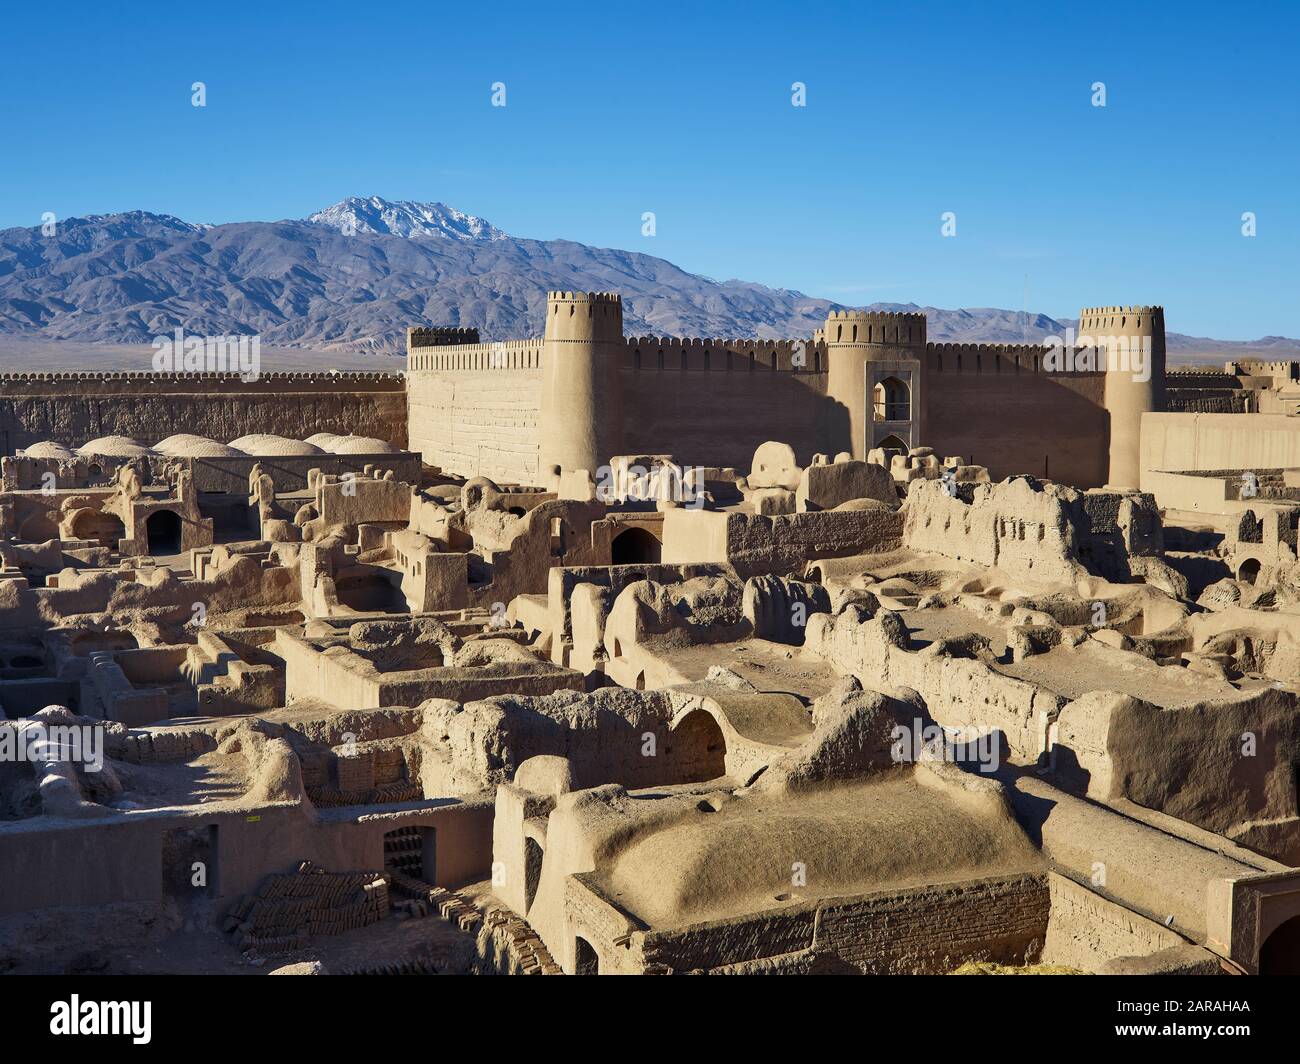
404, 218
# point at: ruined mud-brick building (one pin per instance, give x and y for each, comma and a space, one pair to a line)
809, 692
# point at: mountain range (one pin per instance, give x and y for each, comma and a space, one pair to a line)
354, 276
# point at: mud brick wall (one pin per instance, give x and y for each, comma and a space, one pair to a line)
146, 747
932, 930
715, 416
725, 942
356, 772
1085, 930
72, 408
478, 422
925, 930
1015, 419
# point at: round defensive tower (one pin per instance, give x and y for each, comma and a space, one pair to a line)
582, 402
854, 339
1133, 341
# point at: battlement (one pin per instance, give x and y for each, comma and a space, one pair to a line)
607, 298
995, 358
113, 375
877, 316
1118, 317
151, 381
705, 354
500, 355
602, 322
440, 336
1134, 309
873, 327
1258, 366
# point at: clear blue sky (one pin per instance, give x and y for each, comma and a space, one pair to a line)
684, 110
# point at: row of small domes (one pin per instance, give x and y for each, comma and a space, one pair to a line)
185, 445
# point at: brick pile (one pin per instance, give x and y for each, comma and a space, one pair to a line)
506, 944
512, 946
289, 909
329, 795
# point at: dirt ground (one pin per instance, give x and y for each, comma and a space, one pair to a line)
193, 946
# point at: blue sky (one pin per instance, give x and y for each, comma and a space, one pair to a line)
685, 110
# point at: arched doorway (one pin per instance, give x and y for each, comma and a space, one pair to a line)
635, 546
698, 748
104, 529
893, 443
1280, 953
892, 400
585, 960
1249, 571
164, 532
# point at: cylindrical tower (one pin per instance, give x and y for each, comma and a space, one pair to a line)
1132, 340
582, 399
853, 339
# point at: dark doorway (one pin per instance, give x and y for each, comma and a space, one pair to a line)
636, 546
189, 863
104, 529
532, 871
1280, 954
559, 537
585, 960
164, 531
698, 748
412, 852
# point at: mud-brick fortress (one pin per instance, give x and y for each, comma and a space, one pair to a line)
584, 392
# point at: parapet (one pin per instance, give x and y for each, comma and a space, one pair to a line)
585, 297
1133, 319
440, 336
991, 358
501, 354
695, 353
875, 327
590, 317
147, 375
152, 381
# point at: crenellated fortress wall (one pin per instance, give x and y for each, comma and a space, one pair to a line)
475, 412
997, 405
708, 400
865, 379
476, 408
584, 391
71, 408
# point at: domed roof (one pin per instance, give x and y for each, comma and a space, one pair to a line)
48, 449
324, 440
359, 445
261, 443
187, 445
114, 447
